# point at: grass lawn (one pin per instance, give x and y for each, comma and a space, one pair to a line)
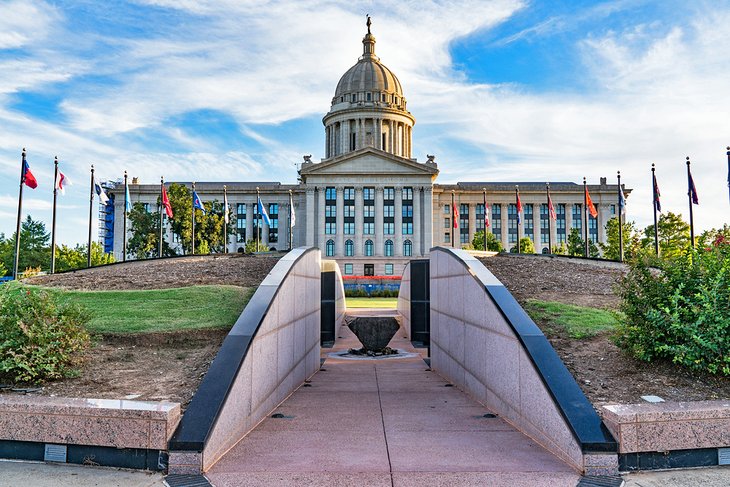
385, 303
578, 321
162, 309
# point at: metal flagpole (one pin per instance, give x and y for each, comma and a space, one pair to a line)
225, 219
517, 204
689, 196
53, 218
656, 227
550, 220
484, 197
91, 210
258, 218
124, 233
291, 213
162, 208
20, 211
620, 219
193, 212
585, 214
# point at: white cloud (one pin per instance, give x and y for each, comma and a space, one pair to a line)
24, 22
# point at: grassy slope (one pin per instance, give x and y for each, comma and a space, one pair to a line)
578, 321
383, 303
162, 309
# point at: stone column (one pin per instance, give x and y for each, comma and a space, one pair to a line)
427, 242
339, 241
398, 237
568, 220
505, 232
310, 215
378, 221
322, 240
472, 221
361, 135
391, 137
249, 220
376, 133
359, 219
345, 137
416, 221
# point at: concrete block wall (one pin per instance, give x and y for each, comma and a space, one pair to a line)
476, 346
404, 300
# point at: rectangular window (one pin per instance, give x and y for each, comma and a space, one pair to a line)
577, 216
349, 228
447, 209
512, 226
369, 95
389, 211
497, 221
368, 194
274, 225
560, 223
349, 211
330, 228
273, 209
529, 225
369, 269
544, 224
388, 194
368, 228
447, 237
388, 269
408, 194
368, 211
447, 222
389, 228
464, 223
407, 211
330, 211
479, 222
593, 227
241, 222
613, 210
348, 193
348, 269
408, 228
330, 193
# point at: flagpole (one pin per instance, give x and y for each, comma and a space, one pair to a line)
550, 220
258, 218
484, 197
620, 218
20, 212
689, 196
124, 233
585, 214
162, 206
193, 242
291, 213
517, 204
453, 217
53, 218
225, 217
91, 213
656, 228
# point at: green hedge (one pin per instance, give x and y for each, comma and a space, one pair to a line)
681, 311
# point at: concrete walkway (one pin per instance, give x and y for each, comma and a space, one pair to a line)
386, 422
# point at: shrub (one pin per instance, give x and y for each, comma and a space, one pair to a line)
680, 312
30, 272
40, 339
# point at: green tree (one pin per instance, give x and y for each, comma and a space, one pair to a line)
630, 238
560, 249
145, 230
34, 246
576, 244
208, 225
493, 244
3, 270
527, 246
68, 258
714, 237
673, 235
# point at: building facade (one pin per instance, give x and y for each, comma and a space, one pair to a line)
369, 204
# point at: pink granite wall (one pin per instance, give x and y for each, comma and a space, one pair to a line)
668, 426
284, 352
404, 300
92, 422
473, 346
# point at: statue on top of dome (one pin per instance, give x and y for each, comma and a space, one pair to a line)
369, 22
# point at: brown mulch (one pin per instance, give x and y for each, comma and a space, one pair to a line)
606, 373
153, 366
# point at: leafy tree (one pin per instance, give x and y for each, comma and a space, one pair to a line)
493, 244
630, 237
560, 249
34, 248
3, 270
208, 226
145, 229
673, 235
714, 237
527, 246
68, 258
576, 244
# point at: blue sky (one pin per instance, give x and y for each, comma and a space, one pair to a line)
235, 90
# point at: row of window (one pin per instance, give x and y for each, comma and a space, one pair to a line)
369, 96
256, 231
368, 228
369, 269
369, 248
368, 193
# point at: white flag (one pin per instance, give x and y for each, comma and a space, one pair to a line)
103, 198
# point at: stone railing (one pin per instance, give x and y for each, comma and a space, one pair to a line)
485, 343
270, 351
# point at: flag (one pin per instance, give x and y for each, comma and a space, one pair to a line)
225, 208
621, 202
197, 203
28, 177
589, 205
519, 208
551, 209
455, 214
127, 199
692, 189
487, 223
61, 182
657, 203
103, 198
262, 212
293, 215
166, 203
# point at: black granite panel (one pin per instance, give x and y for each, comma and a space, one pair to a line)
701, 457
327, 316
22, 450
420, 301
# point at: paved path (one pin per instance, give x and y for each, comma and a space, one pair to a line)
387, 422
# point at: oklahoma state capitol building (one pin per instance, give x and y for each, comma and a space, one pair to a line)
369, 204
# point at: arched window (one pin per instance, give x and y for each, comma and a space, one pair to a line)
545, 250
407, 248
389, 248
349, 248
369, 248
330, 248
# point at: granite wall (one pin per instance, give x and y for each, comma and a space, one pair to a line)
404, 300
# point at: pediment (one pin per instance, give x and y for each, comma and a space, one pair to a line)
369, 161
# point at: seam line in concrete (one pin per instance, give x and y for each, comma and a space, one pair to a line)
382, 420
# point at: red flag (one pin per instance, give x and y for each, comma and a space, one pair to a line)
487, 223
166, 203
28, 177
455, 215
589, 205
551, 209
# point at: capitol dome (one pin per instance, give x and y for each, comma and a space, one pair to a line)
368, 109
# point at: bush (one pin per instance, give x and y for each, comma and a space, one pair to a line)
40, 338
680, 312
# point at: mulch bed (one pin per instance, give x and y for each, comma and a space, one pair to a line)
607, 374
